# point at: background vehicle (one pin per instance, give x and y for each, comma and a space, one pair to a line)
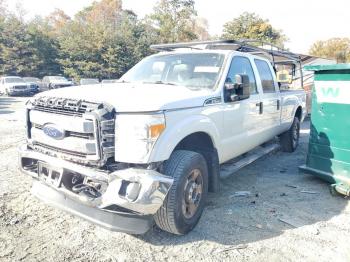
53, 82
14, 85
151, 149
34, 84
89, 81
109, 81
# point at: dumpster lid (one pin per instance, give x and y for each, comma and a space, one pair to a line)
327, 67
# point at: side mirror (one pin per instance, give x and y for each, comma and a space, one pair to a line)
229, 85
240, 89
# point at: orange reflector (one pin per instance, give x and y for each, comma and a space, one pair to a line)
156, 130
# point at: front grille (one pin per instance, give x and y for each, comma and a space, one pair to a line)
88, 129
20, 87
71, 133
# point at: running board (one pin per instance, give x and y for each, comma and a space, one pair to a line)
237, 163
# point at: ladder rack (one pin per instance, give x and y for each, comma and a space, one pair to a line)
276, 54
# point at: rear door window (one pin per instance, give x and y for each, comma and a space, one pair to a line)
266, 77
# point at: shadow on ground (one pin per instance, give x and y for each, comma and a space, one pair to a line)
280, 198
6, 103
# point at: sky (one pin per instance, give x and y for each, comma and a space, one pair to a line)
302, 21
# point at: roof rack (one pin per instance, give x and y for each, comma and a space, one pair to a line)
276, 54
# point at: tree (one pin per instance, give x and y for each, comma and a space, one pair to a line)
251, 26
46, 47
175, 21
17, 53
334, 48
103, 41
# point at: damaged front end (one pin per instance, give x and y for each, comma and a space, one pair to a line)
105, 198
70, 154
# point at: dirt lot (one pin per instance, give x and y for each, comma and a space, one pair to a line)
231, 228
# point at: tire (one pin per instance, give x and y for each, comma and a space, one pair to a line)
177, 215
290, 139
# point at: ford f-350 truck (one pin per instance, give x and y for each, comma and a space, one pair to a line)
148, 148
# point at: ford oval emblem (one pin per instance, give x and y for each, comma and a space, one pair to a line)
54, 131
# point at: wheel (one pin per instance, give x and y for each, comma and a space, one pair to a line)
184, 204
290, 139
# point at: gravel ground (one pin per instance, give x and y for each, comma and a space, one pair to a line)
316, 226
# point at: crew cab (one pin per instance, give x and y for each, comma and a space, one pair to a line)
149, 148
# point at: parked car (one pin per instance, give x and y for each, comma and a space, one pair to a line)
14, 85
109, 81
151, 149
34, 84
89, 81
53, 82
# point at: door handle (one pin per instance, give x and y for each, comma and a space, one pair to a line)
278, 104
261, 107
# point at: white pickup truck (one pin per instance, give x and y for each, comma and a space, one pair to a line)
148, 148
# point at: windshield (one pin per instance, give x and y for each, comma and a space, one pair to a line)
57, 78
14, 80
89, 81
31, 79
199, 70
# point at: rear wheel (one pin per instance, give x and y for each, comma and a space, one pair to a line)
185, 201
290, 139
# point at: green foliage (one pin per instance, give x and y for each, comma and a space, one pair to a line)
103, 41
334, 48
18, 54
251, 26
174, 20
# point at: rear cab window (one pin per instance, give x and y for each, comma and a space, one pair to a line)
266, 77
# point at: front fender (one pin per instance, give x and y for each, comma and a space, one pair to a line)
177, 129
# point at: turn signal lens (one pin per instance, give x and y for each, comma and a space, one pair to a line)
156, 130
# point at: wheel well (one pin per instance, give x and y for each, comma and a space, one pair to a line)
202, 143
298, 113
196, 141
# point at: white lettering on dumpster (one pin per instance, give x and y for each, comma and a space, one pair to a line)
333, 92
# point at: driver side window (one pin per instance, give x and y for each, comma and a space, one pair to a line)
241, 66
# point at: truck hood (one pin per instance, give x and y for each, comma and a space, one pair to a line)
134, 97
15, 84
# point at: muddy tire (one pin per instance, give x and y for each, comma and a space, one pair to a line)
290, 139
184, 204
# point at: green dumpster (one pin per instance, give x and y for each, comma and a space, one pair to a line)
329, 145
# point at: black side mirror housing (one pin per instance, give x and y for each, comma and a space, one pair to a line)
240, 89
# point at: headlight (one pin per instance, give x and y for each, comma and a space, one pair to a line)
136, 136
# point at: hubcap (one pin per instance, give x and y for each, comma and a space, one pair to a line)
193, 189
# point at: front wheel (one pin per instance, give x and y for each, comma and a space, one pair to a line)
290, 139
184, 204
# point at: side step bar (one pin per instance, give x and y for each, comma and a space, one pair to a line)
232, 166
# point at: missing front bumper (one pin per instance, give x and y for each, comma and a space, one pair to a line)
137, 192
131, 224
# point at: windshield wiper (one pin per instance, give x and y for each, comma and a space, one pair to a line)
160, 83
